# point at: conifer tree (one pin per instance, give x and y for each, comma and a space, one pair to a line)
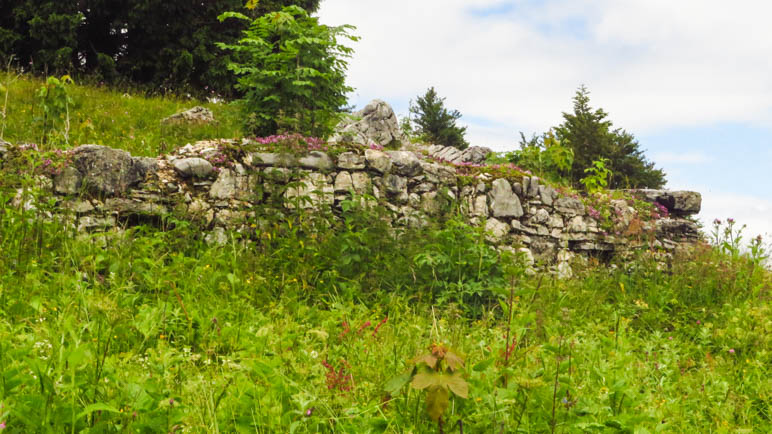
589, 133
436, 124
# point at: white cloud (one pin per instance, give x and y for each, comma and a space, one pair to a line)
652, 64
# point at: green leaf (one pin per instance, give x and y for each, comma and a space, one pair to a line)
437, 402
454, 361
225, 15
100, 406
395, 384
428, 359
484, 365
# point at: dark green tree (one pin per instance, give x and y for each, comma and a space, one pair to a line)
292, 71
589, 134
159, 44
436, 124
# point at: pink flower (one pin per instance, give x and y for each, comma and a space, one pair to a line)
731, 351
2, 425
698, 322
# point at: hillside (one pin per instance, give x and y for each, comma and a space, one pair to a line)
304, 325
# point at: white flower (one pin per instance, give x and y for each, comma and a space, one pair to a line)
314, 354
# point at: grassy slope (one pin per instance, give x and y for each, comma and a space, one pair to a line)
145, 331
107, 117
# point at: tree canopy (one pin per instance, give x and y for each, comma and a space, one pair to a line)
589, 134
166, 44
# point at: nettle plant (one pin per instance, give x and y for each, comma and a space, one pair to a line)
598, 176
439, 373
55, 102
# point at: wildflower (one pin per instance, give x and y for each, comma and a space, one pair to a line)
717, 222
383, 321
364, 326
2, 425
730, 221
698, 322
171, 401
731, 351
670, 338
314, 354
309, 412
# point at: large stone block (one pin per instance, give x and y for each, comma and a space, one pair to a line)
503, 202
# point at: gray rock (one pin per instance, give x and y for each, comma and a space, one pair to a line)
312, 192
108, 171
270, 159
480, 206
193, 167
497, 229
679, 203
343, 182
4, 146
431, 203
544, 251
376, 123
394, 184
503, 202
78, 206
555, 221
68, 181
473, 154
540, 217
577, 224
351, 161
517, 188
378, 160
677, 229
316, 160
125, 207
217, 237
438, 173
547, 194
91, 223
405, 163
361, 182
195, 115
569, 206
225, 186
533, 187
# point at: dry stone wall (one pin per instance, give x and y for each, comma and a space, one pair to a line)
222, 184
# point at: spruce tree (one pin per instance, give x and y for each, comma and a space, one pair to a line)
436, 124
589, 133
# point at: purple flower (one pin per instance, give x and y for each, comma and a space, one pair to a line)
730, 221
309, 412
171, 401
716, 222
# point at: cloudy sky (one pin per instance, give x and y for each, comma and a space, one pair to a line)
691, 79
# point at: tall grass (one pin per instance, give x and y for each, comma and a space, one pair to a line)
112, 118
141, 330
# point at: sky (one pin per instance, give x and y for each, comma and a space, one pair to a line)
690, 79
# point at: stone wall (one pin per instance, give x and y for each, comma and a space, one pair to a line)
219, 184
